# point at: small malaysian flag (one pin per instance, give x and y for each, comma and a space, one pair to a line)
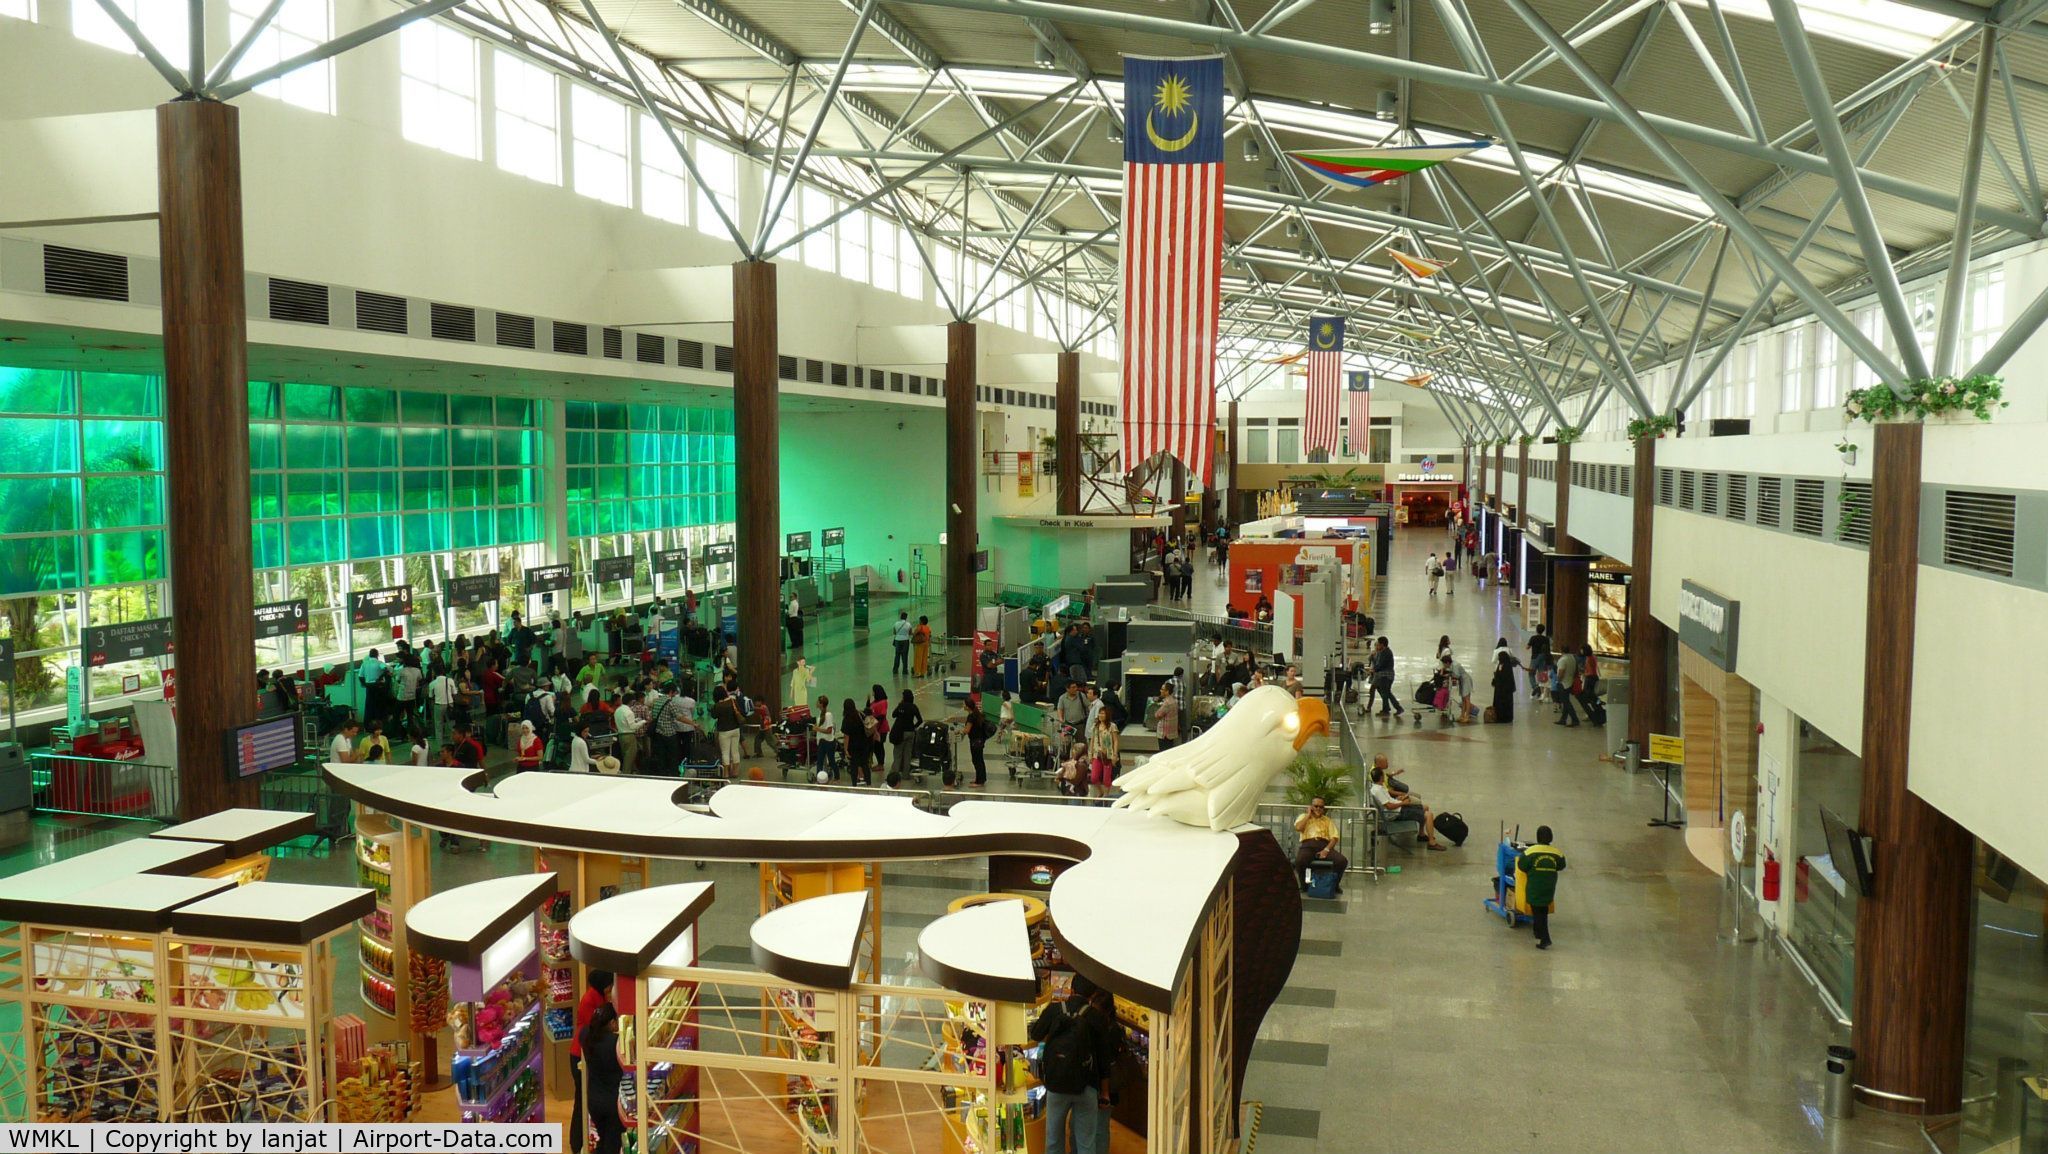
1325, 367
1358, 386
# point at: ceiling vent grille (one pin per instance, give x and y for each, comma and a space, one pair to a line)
573, 340
690, 354
1977, 531
839, 375
1769, 502
72, 272
514, 331
649, 349
1686, 482
1710, 493
298, 300
1665, 483
785, 368
1809, 506
452, 322
721, 358
380, 313
1737, 508
814, 372
614, 345
1853, 525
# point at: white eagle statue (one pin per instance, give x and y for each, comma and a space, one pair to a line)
1216, 779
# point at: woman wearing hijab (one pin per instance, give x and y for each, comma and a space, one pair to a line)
526, 747
859, 746
1503, 688
602, 1075
902, 726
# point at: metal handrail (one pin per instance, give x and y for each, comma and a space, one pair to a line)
1358, 831
100, 787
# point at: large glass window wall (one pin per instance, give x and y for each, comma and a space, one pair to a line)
2006, 1041
646, 478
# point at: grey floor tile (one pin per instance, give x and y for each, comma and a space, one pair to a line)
1321, 947
1290, 1122
1307, 996
1291, 1053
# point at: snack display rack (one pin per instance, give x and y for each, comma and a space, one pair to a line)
999, 1108
406, 992
582, 879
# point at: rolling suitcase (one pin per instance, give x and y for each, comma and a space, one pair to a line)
1452, 828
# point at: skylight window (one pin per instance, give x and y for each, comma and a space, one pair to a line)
1883, 25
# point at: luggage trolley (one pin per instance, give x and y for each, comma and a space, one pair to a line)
931, 751
793, 741
1507, 902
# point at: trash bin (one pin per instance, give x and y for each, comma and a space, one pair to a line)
1615, 690
1838, 1085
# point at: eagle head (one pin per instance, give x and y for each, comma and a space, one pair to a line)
1310, 717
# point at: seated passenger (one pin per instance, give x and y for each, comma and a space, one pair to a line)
1402, 806
1318, 843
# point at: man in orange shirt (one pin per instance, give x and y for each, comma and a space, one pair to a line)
598, 994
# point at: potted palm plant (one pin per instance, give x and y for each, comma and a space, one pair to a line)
1310, 777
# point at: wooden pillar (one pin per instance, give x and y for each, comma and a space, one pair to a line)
963, 458
1500, 472
1230, 513
1913, 936
757, 422
1568, 579
1178, 495
1479, 498
1066, 450
1522, 486
206, 442
1649, 641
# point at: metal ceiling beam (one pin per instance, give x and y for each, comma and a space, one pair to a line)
176, 79
228, 90
1957, 283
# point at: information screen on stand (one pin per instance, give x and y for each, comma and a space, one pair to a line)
257, 749
282, 619
547, 579
469, 592
796, 543
612, 570
668, 562
128, 641
719, 554
380, 604
833, 537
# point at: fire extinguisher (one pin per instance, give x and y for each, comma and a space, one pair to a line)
1770, 876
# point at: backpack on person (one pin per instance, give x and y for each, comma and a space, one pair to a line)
1066, 1062
1436, 568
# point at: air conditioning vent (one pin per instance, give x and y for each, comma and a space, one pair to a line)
380, 313
1665, 482
839, 375
785, 368
814, 372
895, 382
1686, 483
614, 345
452, 322
1769, 498
572, 339
650, 349
1710, 493
877, 379
721, 358
514, 331
1977, 531
1627, 486
1852, 525
1809, 506
1737, 507
690, 354
73, 272
297, 300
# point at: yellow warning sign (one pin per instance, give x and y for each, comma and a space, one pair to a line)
1667, 749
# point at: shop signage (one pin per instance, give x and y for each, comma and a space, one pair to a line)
718, 554
612, 570
669, 561
1057, 606
860, 601
281, 619
1429, 464
547, 579
796, 542
380, 604
1429, 478
833, 537
1606, 577
1707, 624
1027, 482
469, 592
1666, 749
128, 641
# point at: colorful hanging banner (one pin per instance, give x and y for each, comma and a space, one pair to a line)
1365, 167
1358, 387
1325, 369
1027, 474
1172, 258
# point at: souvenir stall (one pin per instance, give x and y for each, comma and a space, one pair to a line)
407, 994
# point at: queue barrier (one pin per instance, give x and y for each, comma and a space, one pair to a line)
1358, 832
96, 787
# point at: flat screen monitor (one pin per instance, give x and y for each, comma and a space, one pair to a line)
254, 750
1846, 850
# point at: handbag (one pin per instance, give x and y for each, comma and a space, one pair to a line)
1442, 700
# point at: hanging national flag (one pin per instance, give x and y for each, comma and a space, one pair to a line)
1419, 267
1365, 167
1172, 257
1358, 386
1325, 368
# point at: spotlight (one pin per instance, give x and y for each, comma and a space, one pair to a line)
1251, 149
1042, 56
1379, 18
1389, 105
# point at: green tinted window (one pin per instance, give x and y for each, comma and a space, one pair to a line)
311, 402
29, 564
372, 447
266, 545
375, 492
263, 401
426, 532
469, 410
312, 495
373, 537
314, 542
519, 412
38, 505
312, 447
36, 391
122, 394
123, 446
471, 446
473, 528
370, 406
518, 447
425, 489
38, 446
122, 558
266, 495
469, 487
425, 447
423, 408
266, 446
118, 502
518, 526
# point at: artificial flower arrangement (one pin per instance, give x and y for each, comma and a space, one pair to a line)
1566, 434
1655, 426
1928, 397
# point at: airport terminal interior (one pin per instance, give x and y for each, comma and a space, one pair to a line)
1011, 577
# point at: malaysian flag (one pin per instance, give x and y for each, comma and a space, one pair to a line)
1325, 367
1358, 386
1172, 257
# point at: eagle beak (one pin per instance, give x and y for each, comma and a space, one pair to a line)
1314, 718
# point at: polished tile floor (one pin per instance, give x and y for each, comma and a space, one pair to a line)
1414, 1020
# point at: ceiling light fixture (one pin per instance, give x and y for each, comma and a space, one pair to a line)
1389, 105
1379, 18
1042, 56
1251, 150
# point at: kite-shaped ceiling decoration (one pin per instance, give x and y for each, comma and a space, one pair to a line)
1365, 167
1419, 267
1420, 380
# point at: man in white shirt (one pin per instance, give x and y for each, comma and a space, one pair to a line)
441, 695
901, 637
343, 748
1402, 807
627, 721
407, 690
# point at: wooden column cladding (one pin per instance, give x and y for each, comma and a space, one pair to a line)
1177, 495
963, 456
1231, 515
1500, 463
1649, 641
1066, 450
1567, 578
1479, 499
206, 443
1522, 486
1913, 935
757, 425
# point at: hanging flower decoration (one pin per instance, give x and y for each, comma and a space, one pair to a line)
1566, 434
1928, 397
1655, 426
